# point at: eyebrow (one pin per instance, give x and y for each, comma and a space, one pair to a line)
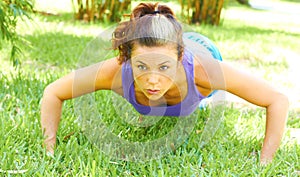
158, 64
141, 62
164, 62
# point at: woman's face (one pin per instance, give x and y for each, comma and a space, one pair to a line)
154, 69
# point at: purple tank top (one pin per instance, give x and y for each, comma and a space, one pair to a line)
187, 106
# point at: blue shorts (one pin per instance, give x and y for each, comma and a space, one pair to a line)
204, 41
209, 45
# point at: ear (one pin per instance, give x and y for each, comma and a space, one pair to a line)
179, 64
180, 56
180, 51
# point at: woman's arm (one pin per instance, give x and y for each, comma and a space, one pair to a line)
258, 92
98, 76
221, 76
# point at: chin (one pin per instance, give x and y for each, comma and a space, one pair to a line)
154, 97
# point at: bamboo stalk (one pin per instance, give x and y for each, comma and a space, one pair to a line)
182, 7
220, 6
102, 9
196, 17
92, 10
204, 9
188, 11
87, 8
121, 8
79, 13
213, 11
111, 10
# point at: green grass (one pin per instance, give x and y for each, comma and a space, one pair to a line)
56, 44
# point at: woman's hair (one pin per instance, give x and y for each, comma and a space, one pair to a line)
149, 25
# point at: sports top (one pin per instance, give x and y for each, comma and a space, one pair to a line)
193, 97
184, 108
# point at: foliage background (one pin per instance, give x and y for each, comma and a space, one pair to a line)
10, 13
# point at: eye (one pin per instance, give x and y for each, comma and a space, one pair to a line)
164, 67
142, 67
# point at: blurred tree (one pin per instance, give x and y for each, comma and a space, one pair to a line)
195, 11
244, 2
103, 10
10, 10
202, 11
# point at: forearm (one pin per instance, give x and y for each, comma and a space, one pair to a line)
275, 123
51, 108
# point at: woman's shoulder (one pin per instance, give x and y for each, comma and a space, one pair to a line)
109, 74
207, 71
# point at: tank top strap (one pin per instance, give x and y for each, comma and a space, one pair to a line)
127, 79
186, 107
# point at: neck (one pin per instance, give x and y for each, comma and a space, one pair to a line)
179, 89
174, 95
143, 100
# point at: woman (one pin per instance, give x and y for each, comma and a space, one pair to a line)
162, 71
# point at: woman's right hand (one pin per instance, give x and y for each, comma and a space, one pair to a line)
102, 75
49, 144
51, 107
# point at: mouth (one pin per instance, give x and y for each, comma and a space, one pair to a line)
152, 91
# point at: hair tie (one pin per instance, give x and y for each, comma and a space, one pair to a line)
156, 12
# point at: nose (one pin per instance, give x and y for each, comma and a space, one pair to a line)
153, 78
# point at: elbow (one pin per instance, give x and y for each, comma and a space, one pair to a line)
284, 100
281, 100
49, 93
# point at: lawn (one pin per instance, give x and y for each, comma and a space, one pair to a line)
263, 42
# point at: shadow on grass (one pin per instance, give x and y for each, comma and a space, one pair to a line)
60, 50
291, 1
243, 31
252, 43
55, 49
69, 18
65, 17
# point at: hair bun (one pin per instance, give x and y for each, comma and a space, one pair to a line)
150, 9
150, 25
163, 9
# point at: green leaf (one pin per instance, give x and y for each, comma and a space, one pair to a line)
9, 11
15, 51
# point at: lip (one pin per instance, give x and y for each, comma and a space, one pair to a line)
152, 91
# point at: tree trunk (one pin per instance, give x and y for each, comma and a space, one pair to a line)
203, 11
103, 10
244, 2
